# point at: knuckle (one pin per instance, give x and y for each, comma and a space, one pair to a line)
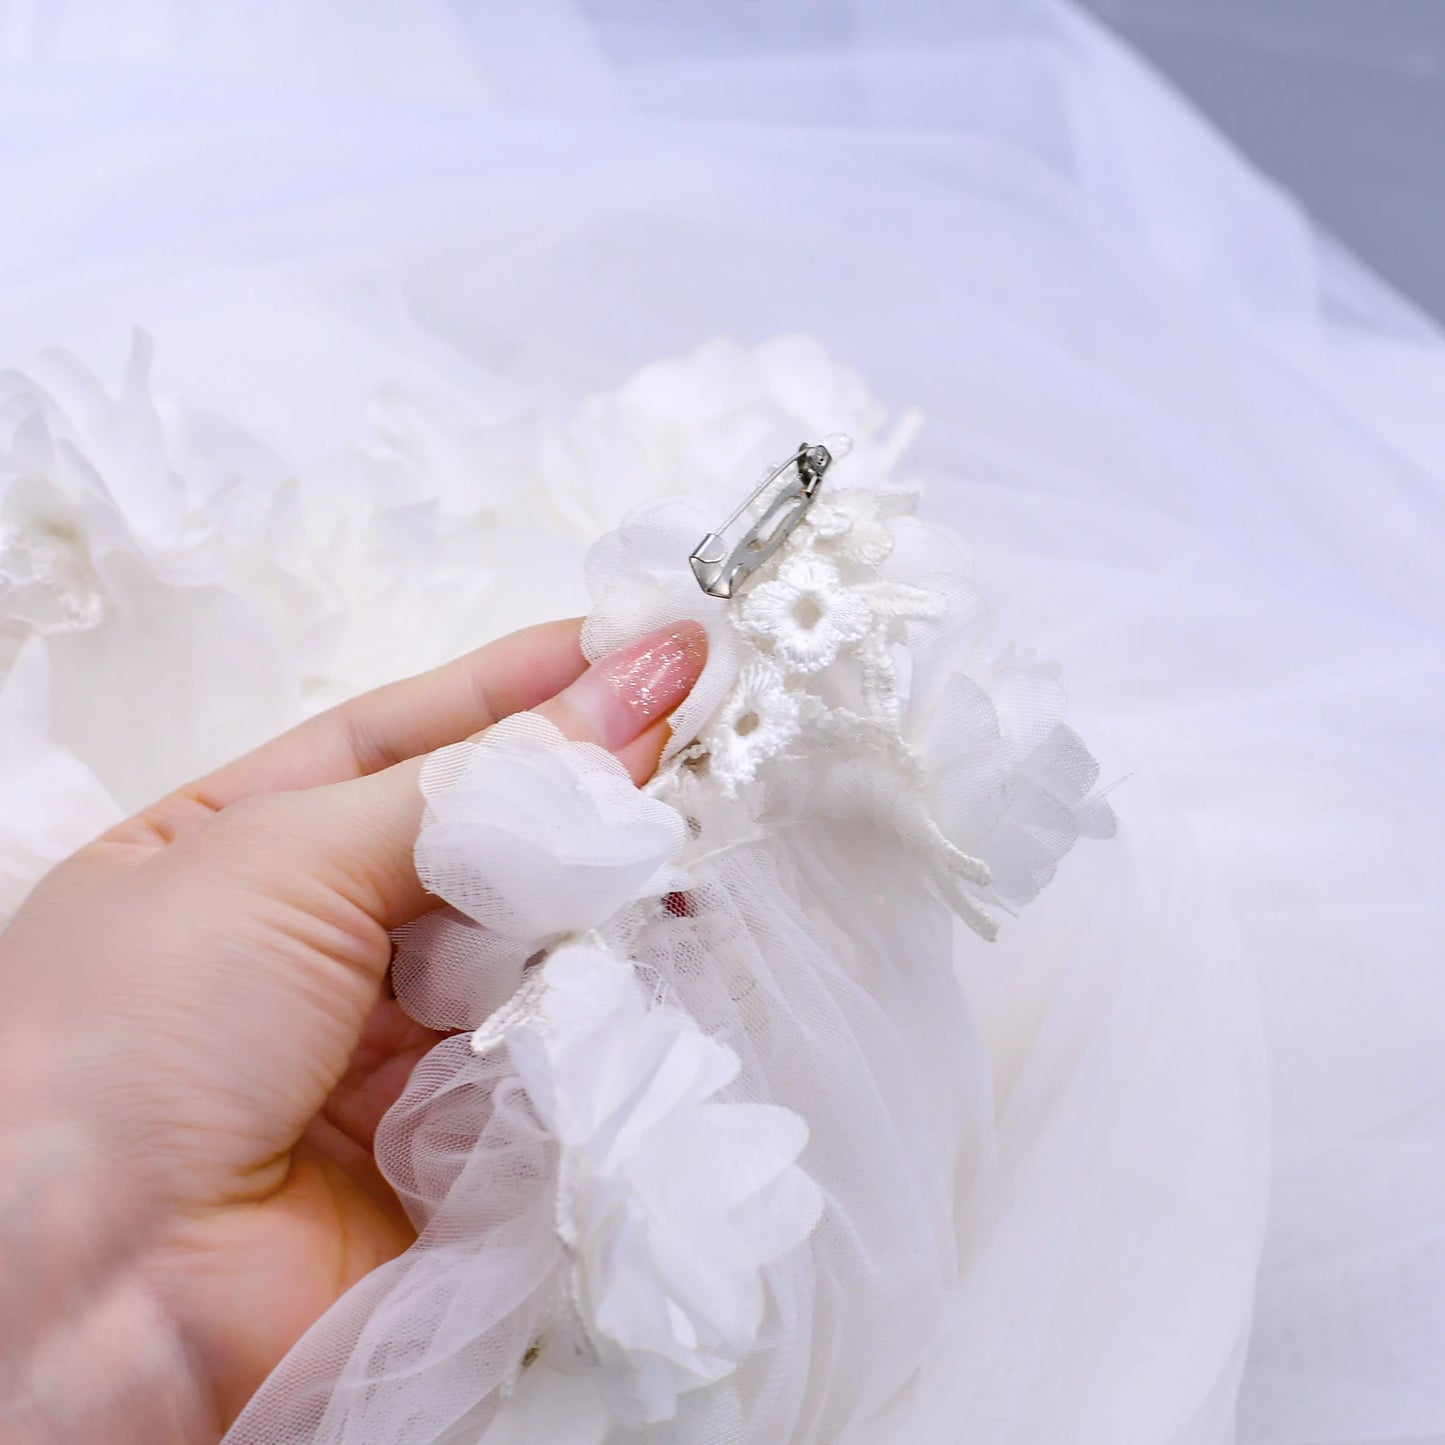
264, 821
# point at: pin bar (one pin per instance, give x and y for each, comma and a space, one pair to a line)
721, 568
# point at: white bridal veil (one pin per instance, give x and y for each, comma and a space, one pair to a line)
430, 298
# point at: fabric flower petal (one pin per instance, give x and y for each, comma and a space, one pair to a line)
535, 836
670, 1200
53, 803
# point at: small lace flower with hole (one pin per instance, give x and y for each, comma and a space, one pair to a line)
760, 720
807, 614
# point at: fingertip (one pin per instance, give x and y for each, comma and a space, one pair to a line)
642, 755
620, 699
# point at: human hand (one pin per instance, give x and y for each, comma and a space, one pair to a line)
196, 1046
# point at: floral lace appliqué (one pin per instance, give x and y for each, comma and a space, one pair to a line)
827, 634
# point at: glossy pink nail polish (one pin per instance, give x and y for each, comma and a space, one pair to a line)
652, 677
620, 697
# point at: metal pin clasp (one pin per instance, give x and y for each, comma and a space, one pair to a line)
722, 567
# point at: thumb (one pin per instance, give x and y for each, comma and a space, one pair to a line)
357, 837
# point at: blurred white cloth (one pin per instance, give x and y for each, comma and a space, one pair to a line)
1199, 454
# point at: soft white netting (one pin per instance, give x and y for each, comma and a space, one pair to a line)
819, 963
720, 1067
440, 292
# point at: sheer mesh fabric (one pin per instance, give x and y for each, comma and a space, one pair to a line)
701, 1170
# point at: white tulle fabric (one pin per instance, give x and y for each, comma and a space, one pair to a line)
436, 294
711, 1009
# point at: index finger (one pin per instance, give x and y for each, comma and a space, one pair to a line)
372, 732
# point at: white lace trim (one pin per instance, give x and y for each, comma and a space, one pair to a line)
816, 714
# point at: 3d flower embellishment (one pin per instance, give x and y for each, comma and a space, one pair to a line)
670, 1202
53, 802
537, 838
117, 482
1003, 774
47, 583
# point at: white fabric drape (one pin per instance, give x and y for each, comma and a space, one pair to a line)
1199, 453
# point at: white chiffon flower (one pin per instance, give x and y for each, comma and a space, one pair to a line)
47, 581
125, 532
53, 803
124, 474
697, 424
805, 615
537, 837
1005, 778
418, 542
670, 1202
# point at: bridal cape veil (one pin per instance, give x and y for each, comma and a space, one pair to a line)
338, 336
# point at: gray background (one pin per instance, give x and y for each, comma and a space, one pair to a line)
1341, 100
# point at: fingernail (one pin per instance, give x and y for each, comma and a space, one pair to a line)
624, 694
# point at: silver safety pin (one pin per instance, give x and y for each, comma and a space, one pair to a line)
721, 568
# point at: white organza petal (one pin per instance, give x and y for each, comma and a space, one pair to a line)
52, 803
720, 1156
667, 1269
534, 836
